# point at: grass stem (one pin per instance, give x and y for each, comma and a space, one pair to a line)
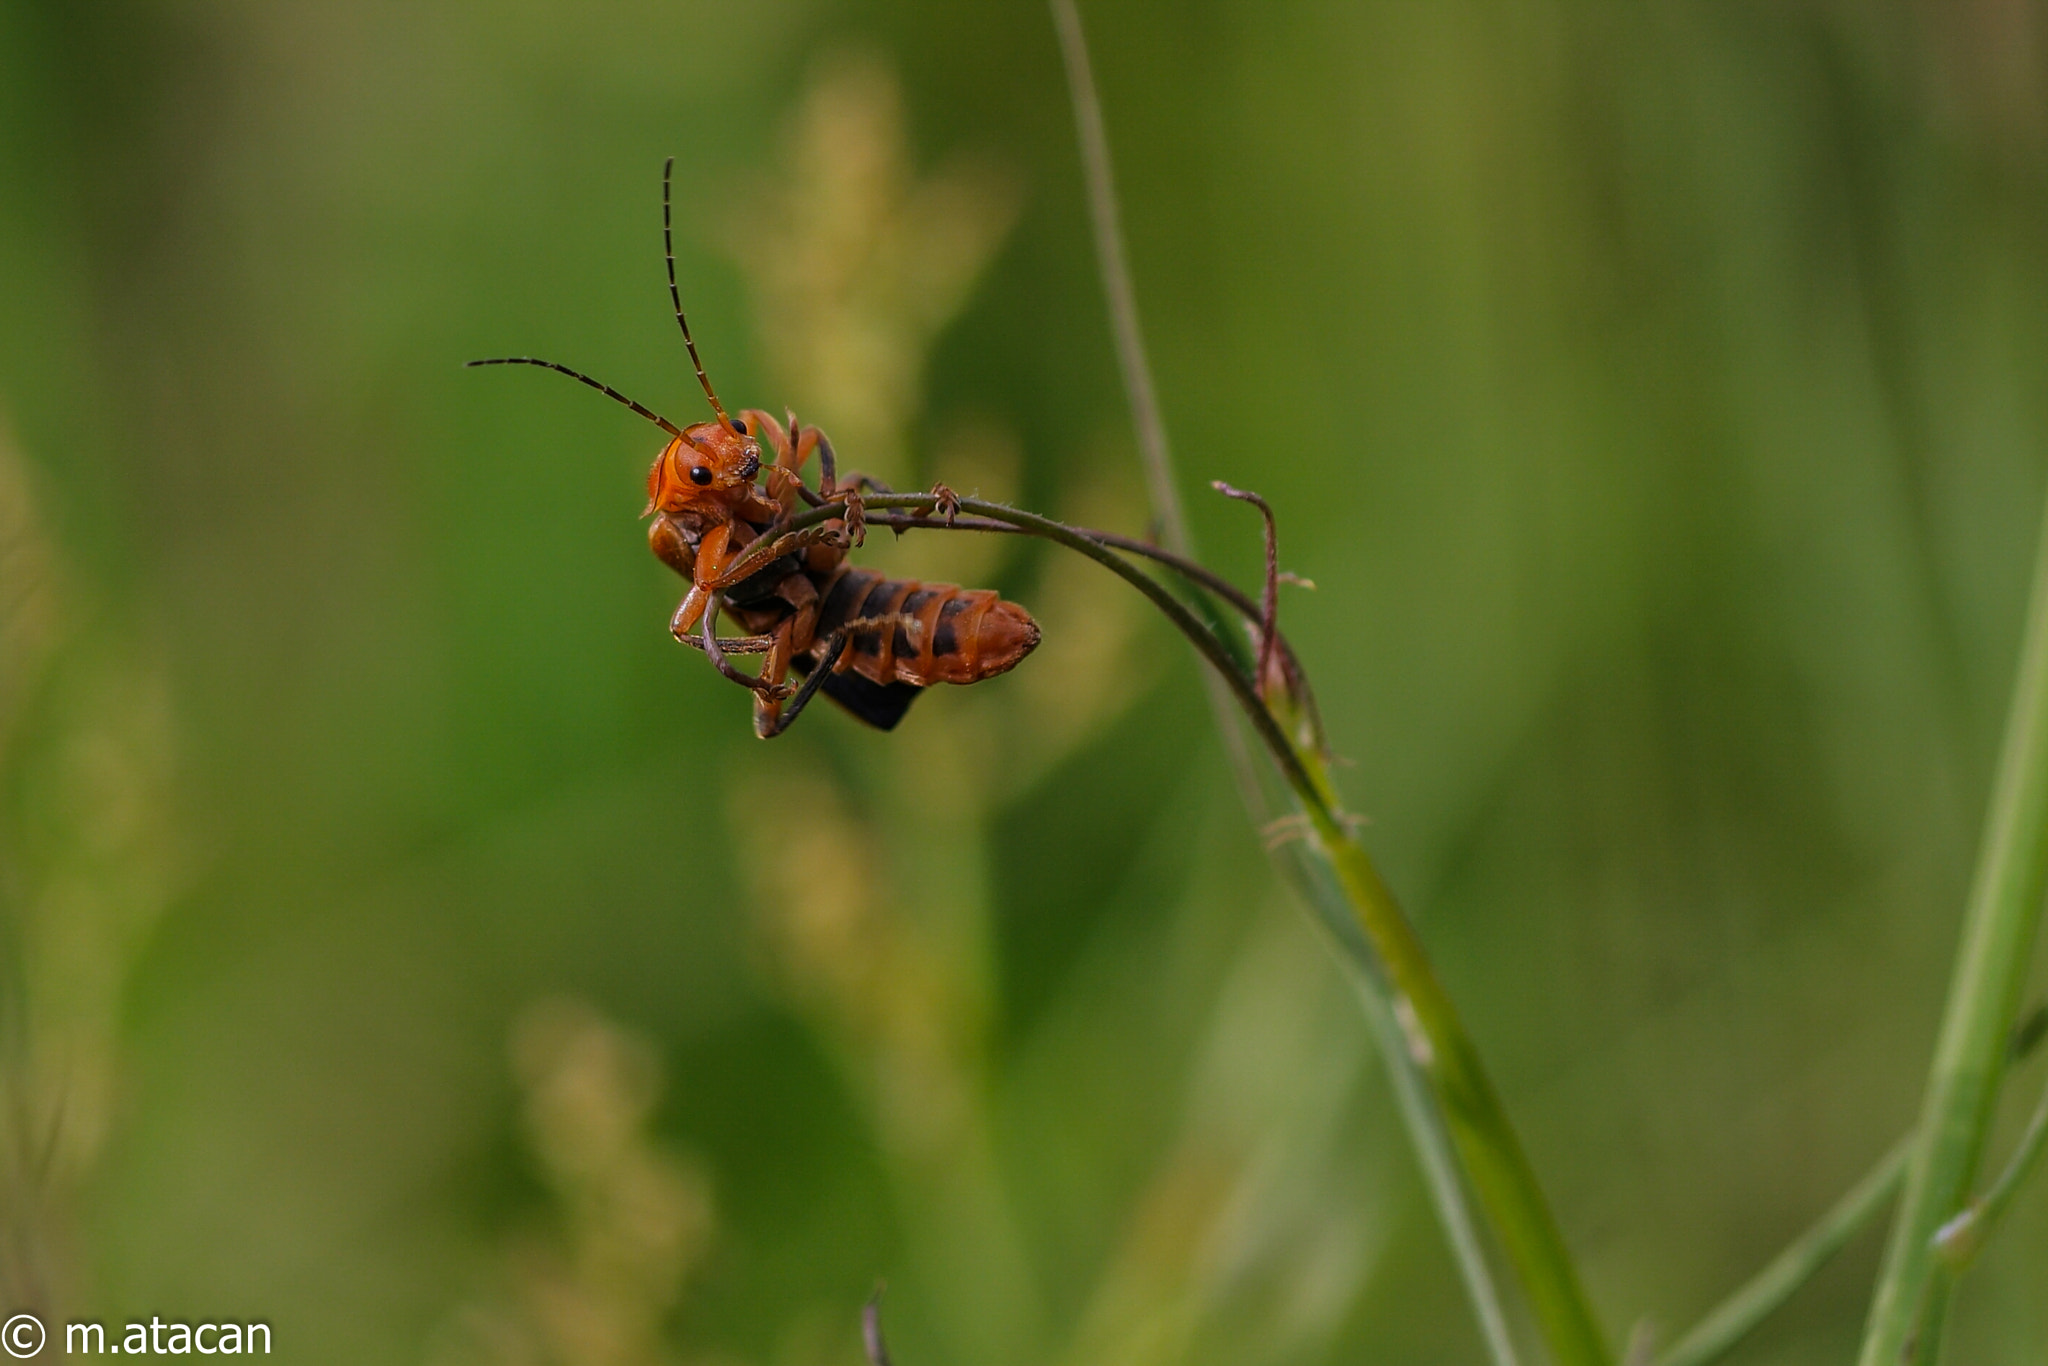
1428, 1131
1963, 1237
1432, 1038
1153, 452
1969, 1059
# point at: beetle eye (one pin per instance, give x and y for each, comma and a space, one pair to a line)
700, 474
739, 426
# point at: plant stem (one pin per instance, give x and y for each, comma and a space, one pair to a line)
1436, 1043
1427, 1133
1493, 1158
1184, 619
1153, 453
1963, 1237
1763, 1293
1155, 458
1742, 1311
1427, 1129
1198, 575
1962, 1085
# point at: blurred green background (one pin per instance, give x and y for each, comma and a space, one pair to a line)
407, 944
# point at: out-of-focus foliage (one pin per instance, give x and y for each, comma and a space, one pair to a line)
407, 944
632, 1220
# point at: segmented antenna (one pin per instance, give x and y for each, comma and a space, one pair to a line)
668, 247
656, 418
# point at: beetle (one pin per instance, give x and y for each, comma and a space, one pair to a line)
869, 642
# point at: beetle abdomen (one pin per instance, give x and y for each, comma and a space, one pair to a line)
904, 631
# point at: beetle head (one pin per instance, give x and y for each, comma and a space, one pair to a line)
710, 468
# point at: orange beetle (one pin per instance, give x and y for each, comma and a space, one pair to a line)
868, 642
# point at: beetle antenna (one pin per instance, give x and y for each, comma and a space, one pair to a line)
656, 418
668, 247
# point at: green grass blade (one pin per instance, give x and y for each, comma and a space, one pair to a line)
1998, 932
1766, 1291
1424, 1124
1430, 1131
1491, 1155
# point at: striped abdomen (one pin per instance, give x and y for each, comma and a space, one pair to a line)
903, 631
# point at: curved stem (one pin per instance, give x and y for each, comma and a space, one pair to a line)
1197, 574
1426, 1126
1197, 631
1437, 1044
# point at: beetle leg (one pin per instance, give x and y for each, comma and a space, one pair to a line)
945, 503
828, 464
793, 446
803, 440
811, 439
753, 561
769, 723
800, 595
762, 686
732, 645
775, 669
688, 612
863, 483
670, 547
793, 637
853, 522
764, 426
715, 555
782, 479
831, 657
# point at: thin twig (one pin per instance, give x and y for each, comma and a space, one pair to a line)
1211, 646
1197, 574
1269, 601
1212, 582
